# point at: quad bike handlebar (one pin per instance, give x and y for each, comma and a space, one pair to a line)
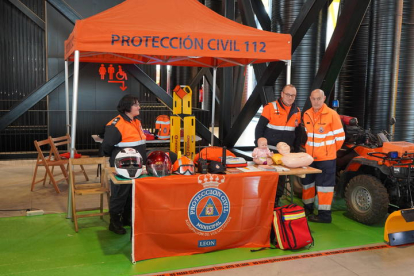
359, 136
397, 160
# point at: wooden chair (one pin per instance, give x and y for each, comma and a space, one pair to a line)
99, 188
65, 141
49, 162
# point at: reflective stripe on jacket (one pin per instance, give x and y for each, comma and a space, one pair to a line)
325, 133
282, 123
131, 132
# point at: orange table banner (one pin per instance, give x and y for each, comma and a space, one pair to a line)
181, 215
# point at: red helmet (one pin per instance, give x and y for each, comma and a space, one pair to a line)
183, 166
159, 164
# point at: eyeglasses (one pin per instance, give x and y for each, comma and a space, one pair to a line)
290, 95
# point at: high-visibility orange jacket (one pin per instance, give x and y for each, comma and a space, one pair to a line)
279, 123
162, 126
122, 132
325, 133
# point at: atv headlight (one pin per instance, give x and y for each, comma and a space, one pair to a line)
400, 172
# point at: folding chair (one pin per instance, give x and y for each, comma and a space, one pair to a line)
97, 188
49, 162
64, 141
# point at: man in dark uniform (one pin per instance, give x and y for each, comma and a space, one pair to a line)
280, 122
124, 131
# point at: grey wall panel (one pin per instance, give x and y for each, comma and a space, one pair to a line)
22, 69
97, 98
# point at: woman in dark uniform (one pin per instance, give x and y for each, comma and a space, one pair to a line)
124, 131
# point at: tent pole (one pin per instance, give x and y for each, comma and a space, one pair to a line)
73, 130
74, 103
67, 97
288, 71
213, 105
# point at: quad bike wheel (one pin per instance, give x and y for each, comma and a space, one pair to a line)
366, 199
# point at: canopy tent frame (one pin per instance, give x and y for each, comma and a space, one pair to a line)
72, 127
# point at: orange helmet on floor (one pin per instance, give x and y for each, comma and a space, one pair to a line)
184, 166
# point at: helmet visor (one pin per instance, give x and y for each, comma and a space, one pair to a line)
128, 162
159, 170
186, 169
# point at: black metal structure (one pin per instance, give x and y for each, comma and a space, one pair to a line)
307, 57
404, 129
232, 120
227, 88
352, 80
308, 15
149, 83
341, 41
33, 98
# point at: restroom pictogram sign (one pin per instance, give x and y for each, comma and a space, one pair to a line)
114, 75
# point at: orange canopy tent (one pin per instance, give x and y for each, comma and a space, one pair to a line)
168, 32
173, 32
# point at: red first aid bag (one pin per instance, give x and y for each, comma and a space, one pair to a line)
291, 227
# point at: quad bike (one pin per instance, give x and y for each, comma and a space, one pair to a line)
374, 175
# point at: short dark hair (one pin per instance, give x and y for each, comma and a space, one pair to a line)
126, 102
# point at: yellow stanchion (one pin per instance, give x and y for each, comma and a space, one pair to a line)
189, 137
187, 108
175, 135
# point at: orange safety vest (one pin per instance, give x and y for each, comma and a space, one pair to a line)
162, 124
325, 133
282, 122
130, 136
278, 118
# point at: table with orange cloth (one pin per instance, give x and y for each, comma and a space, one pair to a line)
180, 215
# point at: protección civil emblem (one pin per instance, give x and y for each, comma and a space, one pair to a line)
209, 209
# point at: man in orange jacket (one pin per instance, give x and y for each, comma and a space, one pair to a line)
280, 122
325, 137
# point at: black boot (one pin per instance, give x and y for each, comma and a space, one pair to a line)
116, 225
319, 219
126, 221
308, 209
126, 217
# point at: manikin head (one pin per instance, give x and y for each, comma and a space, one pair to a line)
262, 143
283, 148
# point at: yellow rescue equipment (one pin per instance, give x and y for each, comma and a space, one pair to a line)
399, 227
182, 105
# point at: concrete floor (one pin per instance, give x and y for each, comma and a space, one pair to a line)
16, 197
